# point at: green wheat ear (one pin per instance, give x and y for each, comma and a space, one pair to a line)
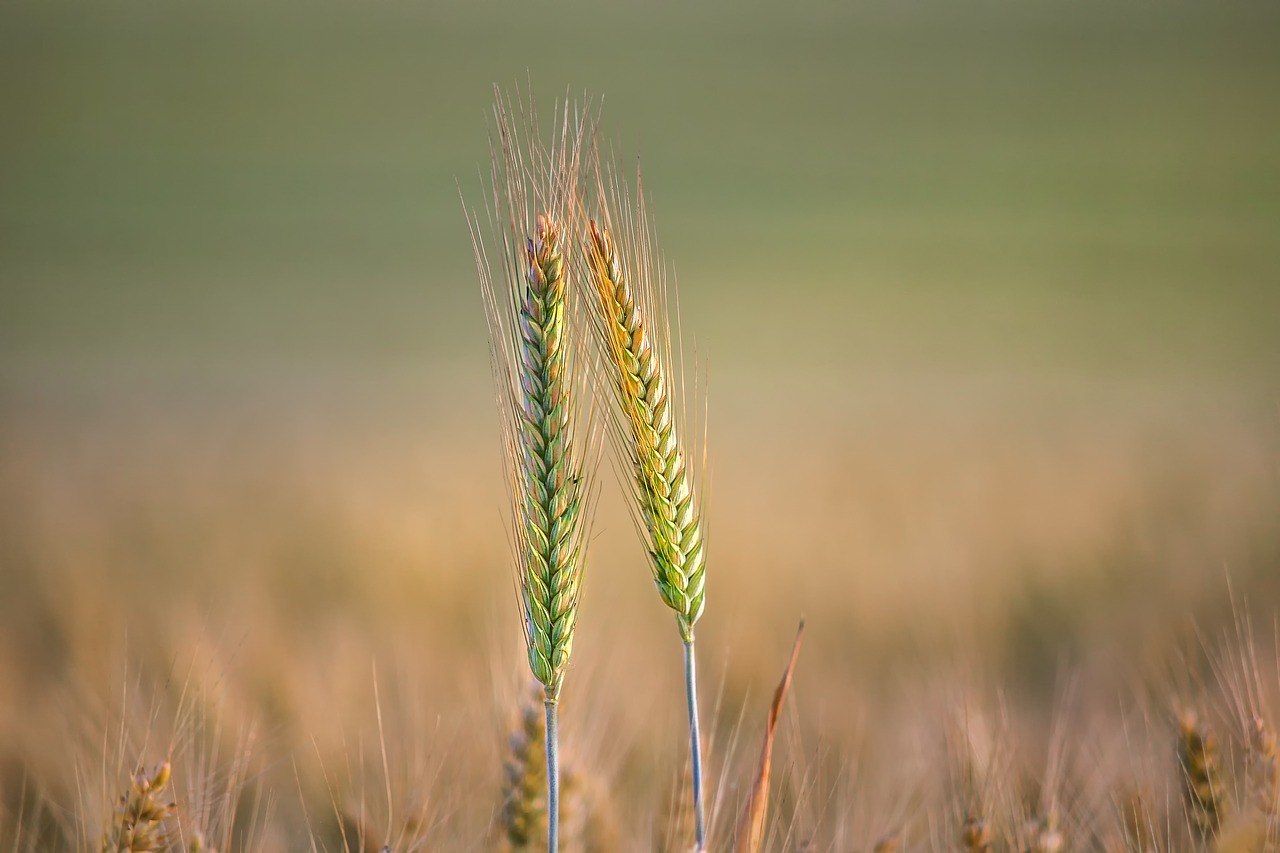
546, 430
550, 446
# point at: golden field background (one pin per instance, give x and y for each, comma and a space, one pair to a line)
984, 299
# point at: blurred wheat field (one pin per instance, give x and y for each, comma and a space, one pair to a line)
984, 300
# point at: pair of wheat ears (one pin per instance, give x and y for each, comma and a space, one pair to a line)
575, 297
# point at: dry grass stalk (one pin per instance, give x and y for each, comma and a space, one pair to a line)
1203, 792
138, 824
674, 830
1137, 825
750, 836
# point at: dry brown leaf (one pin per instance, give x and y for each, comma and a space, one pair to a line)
750, 835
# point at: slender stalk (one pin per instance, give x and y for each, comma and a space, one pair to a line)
695, 743
553, 778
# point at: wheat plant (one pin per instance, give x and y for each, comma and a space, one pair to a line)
139, 822
631, 326
549, 459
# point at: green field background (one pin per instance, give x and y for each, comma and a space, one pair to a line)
271, 189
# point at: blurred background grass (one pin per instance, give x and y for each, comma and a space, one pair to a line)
985, 294
1089, 186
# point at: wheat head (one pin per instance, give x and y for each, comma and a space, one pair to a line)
629, 302
138, 824
540, 399
1202, 785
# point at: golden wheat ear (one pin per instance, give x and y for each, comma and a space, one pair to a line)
523, 255
139, 823
626, 285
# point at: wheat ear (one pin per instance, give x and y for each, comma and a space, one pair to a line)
630, 325
138, 823
522, 820
1202, 786
535, 195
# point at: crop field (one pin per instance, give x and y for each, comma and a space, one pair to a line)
980, 304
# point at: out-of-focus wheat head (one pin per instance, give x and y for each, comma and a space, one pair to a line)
1263, 766
546, 429
522, 820
631, 323
1203, 789
138, 824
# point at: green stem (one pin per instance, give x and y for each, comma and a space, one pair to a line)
695, 743
553, 778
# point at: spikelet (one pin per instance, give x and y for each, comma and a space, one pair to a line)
522, 820
630, 324
138, 824
1203, 791
534, 350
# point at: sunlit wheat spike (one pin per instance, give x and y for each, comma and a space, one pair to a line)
138, 824
546, 430
669, 515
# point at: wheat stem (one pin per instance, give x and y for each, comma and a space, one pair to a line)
695, 742
553, 777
